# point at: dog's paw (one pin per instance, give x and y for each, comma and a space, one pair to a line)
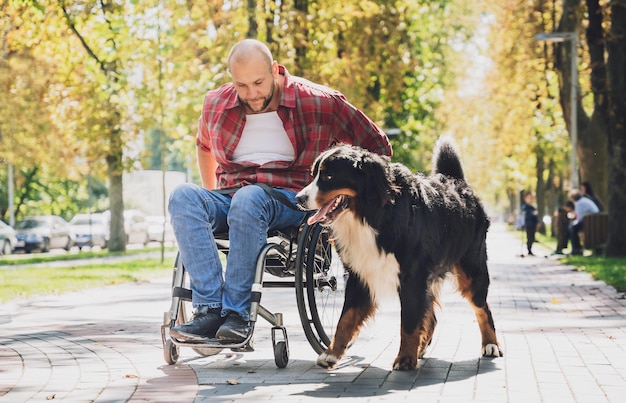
326, 360
405, 363
492, 350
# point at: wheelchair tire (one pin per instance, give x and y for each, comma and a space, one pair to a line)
319, 286
281, 354
170, 352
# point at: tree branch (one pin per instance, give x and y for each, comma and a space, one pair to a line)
87, 48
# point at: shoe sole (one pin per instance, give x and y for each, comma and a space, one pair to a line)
231, 339
188, 336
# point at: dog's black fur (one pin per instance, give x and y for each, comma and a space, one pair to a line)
396, 231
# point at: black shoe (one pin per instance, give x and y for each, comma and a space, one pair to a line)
557, 252
202, 327
577, 252
234, 329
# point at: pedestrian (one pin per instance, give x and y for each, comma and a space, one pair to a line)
265, 126
586, 190
531, 220
582, 207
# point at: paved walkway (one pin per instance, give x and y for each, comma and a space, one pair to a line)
564, 337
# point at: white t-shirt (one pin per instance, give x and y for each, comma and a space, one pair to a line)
264, 139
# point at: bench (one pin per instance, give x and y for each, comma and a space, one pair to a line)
595, 231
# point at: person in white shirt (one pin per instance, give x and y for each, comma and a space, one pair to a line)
582, 207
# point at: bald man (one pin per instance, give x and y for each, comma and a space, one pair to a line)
265, 126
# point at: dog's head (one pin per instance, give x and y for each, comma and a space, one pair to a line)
346, 178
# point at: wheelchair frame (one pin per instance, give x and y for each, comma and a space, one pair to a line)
304, 253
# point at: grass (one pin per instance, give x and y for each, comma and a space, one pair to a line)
28, 259
26, 282
610, 270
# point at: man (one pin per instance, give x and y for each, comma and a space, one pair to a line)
582, 207
265, 126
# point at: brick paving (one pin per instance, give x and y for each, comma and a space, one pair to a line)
563, 334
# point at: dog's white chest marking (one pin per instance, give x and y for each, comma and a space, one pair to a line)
378, 270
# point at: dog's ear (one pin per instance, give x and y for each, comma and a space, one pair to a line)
377, 184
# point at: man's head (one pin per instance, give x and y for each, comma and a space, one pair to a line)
575, 195
254, 74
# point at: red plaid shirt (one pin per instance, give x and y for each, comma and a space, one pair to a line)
315, 117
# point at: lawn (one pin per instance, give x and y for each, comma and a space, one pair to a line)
23, 282
610, 270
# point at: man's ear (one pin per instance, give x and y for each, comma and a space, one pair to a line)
275, 69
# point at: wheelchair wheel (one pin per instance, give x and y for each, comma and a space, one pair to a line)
319, 286
281, 354
170, 352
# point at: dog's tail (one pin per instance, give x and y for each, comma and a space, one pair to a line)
446, 160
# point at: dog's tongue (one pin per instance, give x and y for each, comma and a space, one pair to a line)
321, 213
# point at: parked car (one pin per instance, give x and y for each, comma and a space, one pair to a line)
135, 226
155, 229
43, 233
7, 239
89, 230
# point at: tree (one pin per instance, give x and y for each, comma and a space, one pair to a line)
592, 136
616, 77
123, 71
31, 141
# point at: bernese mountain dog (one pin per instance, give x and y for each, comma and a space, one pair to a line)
402, 233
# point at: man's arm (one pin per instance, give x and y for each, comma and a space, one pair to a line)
207, 166
359, 129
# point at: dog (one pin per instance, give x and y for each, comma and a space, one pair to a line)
401, 233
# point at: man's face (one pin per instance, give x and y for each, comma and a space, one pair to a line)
255, 84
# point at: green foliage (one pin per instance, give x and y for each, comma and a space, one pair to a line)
118, 73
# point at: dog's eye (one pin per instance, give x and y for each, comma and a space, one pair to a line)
326, 177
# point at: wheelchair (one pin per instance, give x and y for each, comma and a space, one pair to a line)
300, 257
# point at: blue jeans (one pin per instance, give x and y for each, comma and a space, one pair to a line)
197, 213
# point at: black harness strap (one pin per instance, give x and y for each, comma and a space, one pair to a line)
278, 196
269, 190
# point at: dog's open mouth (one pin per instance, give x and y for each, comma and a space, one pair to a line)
327, 213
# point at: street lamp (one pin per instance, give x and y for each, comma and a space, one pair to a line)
573, 38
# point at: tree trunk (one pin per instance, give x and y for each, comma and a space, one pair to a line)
300, 36
591, 147
117, 241
616, 67
540, 190
594, 149
253, 26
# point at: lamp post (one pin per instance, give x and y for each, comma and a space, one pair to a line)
573, 38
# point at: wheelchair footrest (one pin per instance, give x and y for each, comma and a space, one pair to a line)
245, 345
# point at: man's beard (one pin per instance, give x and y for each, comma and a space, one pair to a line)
266, 103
